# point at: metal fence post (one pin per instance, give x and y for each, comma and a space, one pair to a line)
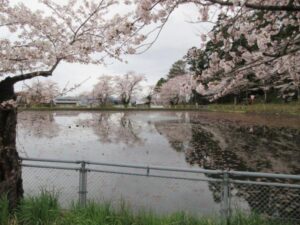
82, 184
226, 200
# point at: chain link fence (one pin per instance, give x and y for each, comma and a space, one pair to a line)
63, 182
160, 195
166, 190
274, 200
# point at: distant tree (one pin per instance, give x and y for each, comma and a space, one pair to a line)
84, 95
128, 85
150, 92
197, 60
159, 83
178, 68
41, 92
104, 89
177, 90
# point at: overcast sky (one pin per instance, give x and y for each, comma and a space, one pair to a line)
176, 38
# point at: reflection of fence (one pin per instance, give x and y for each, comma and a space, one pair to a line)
165, 189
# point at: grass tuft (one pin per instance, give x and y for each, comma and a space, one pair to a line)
41, 210
45, 210
4, 210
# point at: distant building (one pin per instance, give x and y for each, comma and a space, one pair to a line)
140, 103
66, 101
90, 102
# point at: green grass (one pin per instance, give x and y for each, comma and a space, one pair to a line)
292, 108
4, 210
45, 210
41, 210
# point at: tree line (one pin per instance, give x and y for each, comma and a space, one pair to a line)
210, 69
123, 88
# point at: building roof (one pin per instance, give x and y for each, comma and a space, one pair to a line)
66, 100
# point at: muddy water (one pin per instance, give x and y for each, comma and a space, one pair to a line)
245, 142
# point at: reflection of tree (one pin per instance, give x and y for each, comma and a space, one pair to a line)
68, 114
178, 132
226, 144
255, 148
115, 128
281, 202
250, 149
210, 151
230, 145
38, 124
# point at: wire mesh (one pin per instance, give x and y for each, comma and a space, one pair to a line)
159, 195
61, 182
166, 190
270, 201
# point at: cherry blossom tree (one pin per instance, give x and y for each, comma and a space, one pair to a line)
104, 89
127, 86
34, 42
41, 92
177, 90
269, 31
289, 82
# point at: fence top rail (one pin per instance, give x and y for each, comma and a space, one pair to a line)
132, 166
266, 175
159, 168
172, 169
50, 167
50, 160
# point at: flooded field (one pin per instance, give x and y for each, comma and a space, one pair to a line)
224, 141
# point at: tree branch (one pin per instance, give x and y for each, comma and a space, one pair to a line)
27, 76
289, 7
87, 20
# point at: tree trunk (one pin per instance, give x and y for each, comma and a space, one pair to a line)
126, 102
265, 96
10, 167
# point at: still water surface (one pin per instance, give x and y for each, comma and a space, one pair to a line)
245, 142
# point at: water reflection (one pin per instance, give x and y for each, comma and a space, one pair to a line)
117, 128
177, 132
236, 145
181, 139
40, 125
220, 143
208, 140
